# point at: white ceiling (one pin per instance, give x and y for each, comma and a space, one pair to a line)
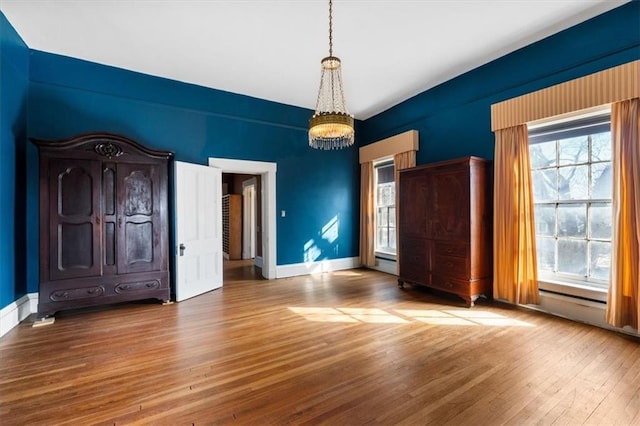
390, 50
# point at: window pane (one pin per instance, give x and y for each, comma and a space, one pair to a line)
600, 221
572, 257
382, 238
392, 239
380, 196
386, 195
545, 220
600, 260
385, 173
601, 180
601, 147
544, 185
381, 218
545, 250
573, 183
573, 150
542, 155
572, 220
392, 216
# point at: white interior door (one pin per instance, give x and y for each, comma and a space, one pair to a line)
198, 248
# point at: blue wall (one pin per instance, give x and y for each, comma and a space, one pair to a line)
69, 96
453, 119
14, 81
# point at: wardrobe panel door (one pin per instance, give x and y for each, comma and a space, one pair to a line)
74, 224
139, 218
450, 197
414, 202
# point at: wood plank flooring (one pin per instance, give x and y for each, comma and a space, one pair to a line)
341, 348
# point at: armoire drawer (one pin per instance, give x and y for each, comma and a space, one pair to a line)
450, 248
451, 266
451, 285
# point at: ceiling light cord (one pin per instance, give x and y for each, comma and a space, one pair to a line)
330, 28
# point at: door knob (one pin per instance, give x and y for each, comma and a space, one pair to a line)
182, 249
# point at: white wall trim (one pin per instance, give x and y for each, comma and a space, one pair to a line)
257, 261
268, 226
386, 266
572, 308
13, 313
306, 268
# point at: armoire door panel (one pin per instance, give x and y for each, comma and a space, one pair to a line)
138, 191
138, 217
75, 246
450, 196
139, 238
109, 244
109, 190
74, 212
414, 199
109, 217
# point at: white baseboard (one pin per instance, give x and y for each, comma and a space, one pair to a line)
284, 271
13, 313
575, 309
386, 266
257, 261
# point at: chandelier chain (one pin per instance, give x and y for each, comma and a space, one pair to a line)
330, 29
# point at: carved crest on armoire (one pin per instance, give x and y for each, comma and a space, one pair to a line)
104, 234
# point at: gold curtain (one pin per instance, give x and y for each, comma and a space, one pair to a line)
403, 160
367, 225
623, 304
514, 240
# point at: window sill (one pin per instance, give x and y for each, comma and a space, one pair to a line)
386, 256
572, 289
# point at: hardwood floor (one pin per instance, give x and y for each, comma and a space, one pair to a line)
342, 348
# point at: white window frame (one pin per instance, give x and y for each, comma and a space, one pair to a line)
565, 284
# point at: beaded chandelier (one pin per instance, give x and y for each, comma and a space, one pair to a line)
331, 126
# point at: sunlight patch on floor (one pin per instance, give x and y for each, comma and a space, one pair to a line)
347, 273
374, 316
467, 317
463, 317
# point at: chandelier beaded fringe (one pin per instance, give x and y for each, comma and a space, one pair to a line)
331, 126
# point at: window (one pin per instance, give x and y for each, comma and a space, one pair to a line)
571, 171
385, 210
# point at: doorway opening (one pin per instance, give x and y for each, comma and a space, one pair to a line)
241, 214
265, 207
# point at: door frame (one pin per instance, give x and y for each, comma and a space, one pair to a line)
267, 171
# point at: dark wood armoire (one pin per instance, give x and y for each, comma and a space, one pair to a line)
445, 227
104, 234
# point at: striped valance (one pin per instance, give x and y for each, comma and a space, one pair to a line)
404, 142
612, 85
